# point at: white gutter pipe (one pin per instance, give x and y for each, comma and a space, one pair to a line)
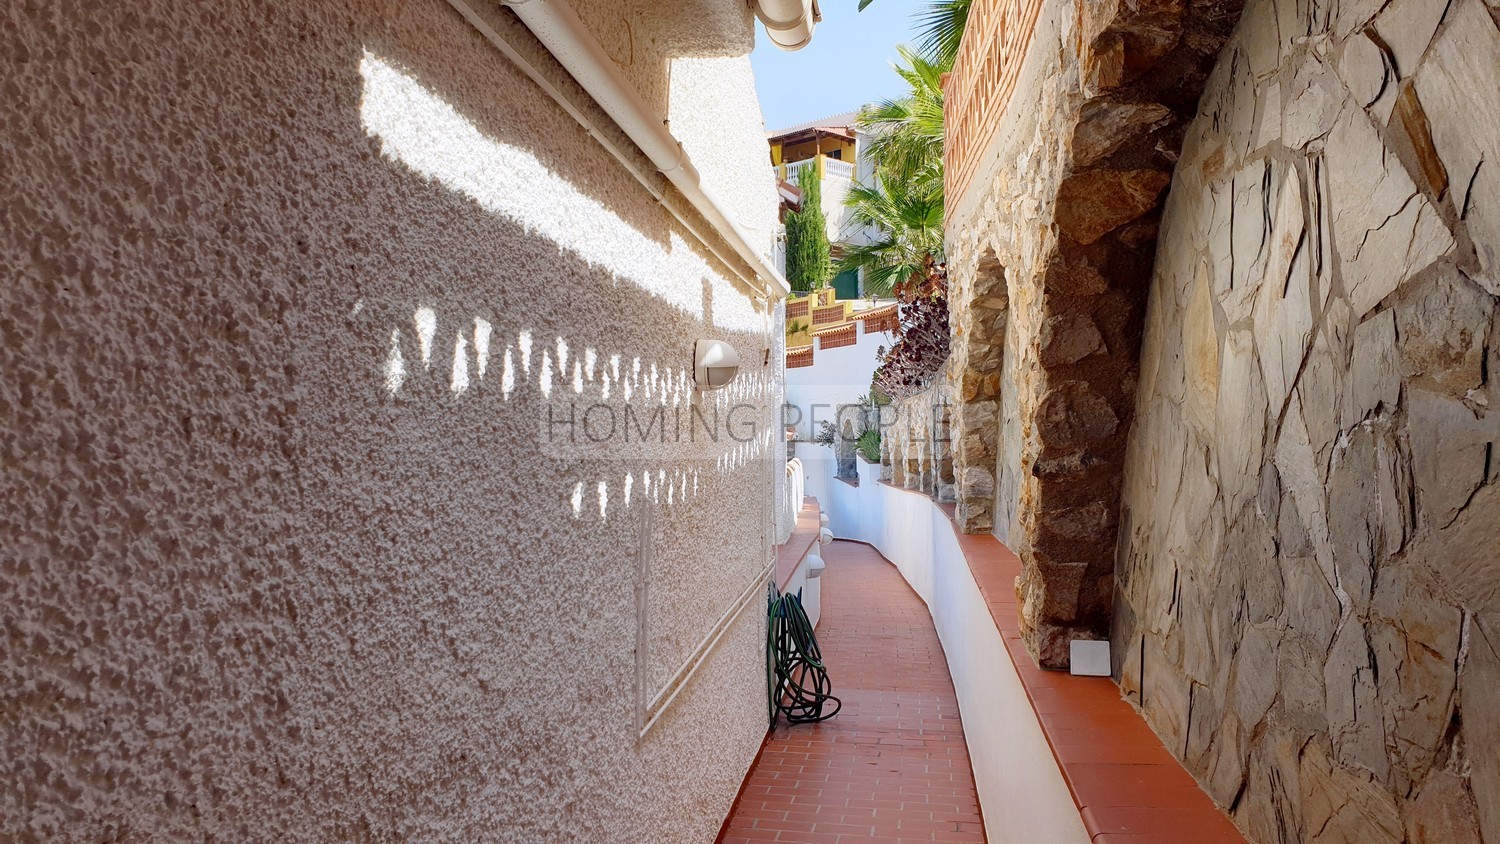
555, 24
789, 23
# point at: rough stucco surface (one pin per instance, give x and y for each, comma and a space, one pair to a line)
646, 40
285, 552
1309, 601
715, 112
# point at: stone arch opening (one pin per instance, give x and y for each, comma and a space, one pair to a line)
980, 310
1066, 218
943, 448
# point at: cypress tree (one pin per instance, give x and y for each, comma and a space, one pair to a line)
809, 261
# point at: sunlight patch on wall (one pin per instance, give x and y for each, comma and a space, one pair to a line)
422, 131
652, 383
482, 329
643, 383
426, 324
459, 380
395, 365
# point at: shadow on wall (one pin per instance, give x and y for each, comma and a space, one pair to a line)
583, 393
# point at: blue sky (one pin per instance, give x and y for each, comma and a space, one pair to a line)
847, 64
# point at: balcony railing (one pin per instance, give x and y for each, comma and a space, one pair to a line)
832, 167
837, 168
978, 90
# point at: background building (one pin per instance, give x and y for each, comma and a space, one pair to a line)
834, 146
832, 355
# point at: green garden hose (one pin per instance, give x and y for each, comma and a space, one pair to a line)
796, 679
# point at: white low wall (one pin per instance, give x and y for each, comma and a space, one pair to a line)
809, 584
1020, 787
840, 375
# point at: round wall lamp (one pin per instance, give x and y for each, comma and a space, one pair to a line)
715, 363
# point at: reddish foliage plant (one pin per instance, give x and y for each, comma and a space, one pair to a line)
922, 339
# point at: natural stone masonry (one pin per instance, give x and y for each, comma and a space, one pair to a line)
1308, 604
1051, 250
916, 446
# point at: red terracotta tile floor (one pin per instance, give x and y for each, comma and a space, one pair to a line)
892, 766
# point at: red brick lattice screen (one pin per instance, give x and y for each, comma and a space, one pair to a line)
796, 308
799, 357
980, 86
843, 335
880, 319
828, 314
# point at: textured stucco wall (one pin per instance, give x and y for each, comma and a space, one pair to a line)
1308, 608
715, 113
646, 39
286, 552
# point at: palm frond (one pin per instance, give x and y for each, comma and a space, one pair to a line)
942, 27
908, 215
906, 134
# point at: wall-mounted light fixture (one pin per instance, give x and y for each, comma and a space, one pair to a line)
715, 364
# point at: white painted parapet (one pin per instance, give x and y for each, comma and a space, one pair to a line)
1021, 790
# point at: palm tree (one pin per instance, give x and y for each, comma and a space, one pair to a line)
908, 214
941, 27
906, 134
905, 204
905, 201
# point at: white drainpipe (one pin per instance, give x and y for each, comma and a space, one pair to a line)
788, 22
555, 24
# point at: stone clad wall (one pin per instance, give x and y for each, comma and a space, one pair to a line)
1050, 250
916, 442
1308, 601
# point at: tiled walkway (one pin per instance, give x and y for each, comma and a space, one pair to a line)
892, 766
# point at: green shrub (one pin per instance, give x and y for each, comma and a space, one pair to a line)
868, 444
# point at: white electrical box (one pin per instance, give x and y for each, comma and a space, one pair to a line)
1089, 658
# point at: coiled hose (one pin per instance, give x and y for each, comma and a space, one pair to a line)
796, 679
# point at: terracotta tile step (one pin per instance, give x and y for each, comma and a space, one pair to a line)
1128, 787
